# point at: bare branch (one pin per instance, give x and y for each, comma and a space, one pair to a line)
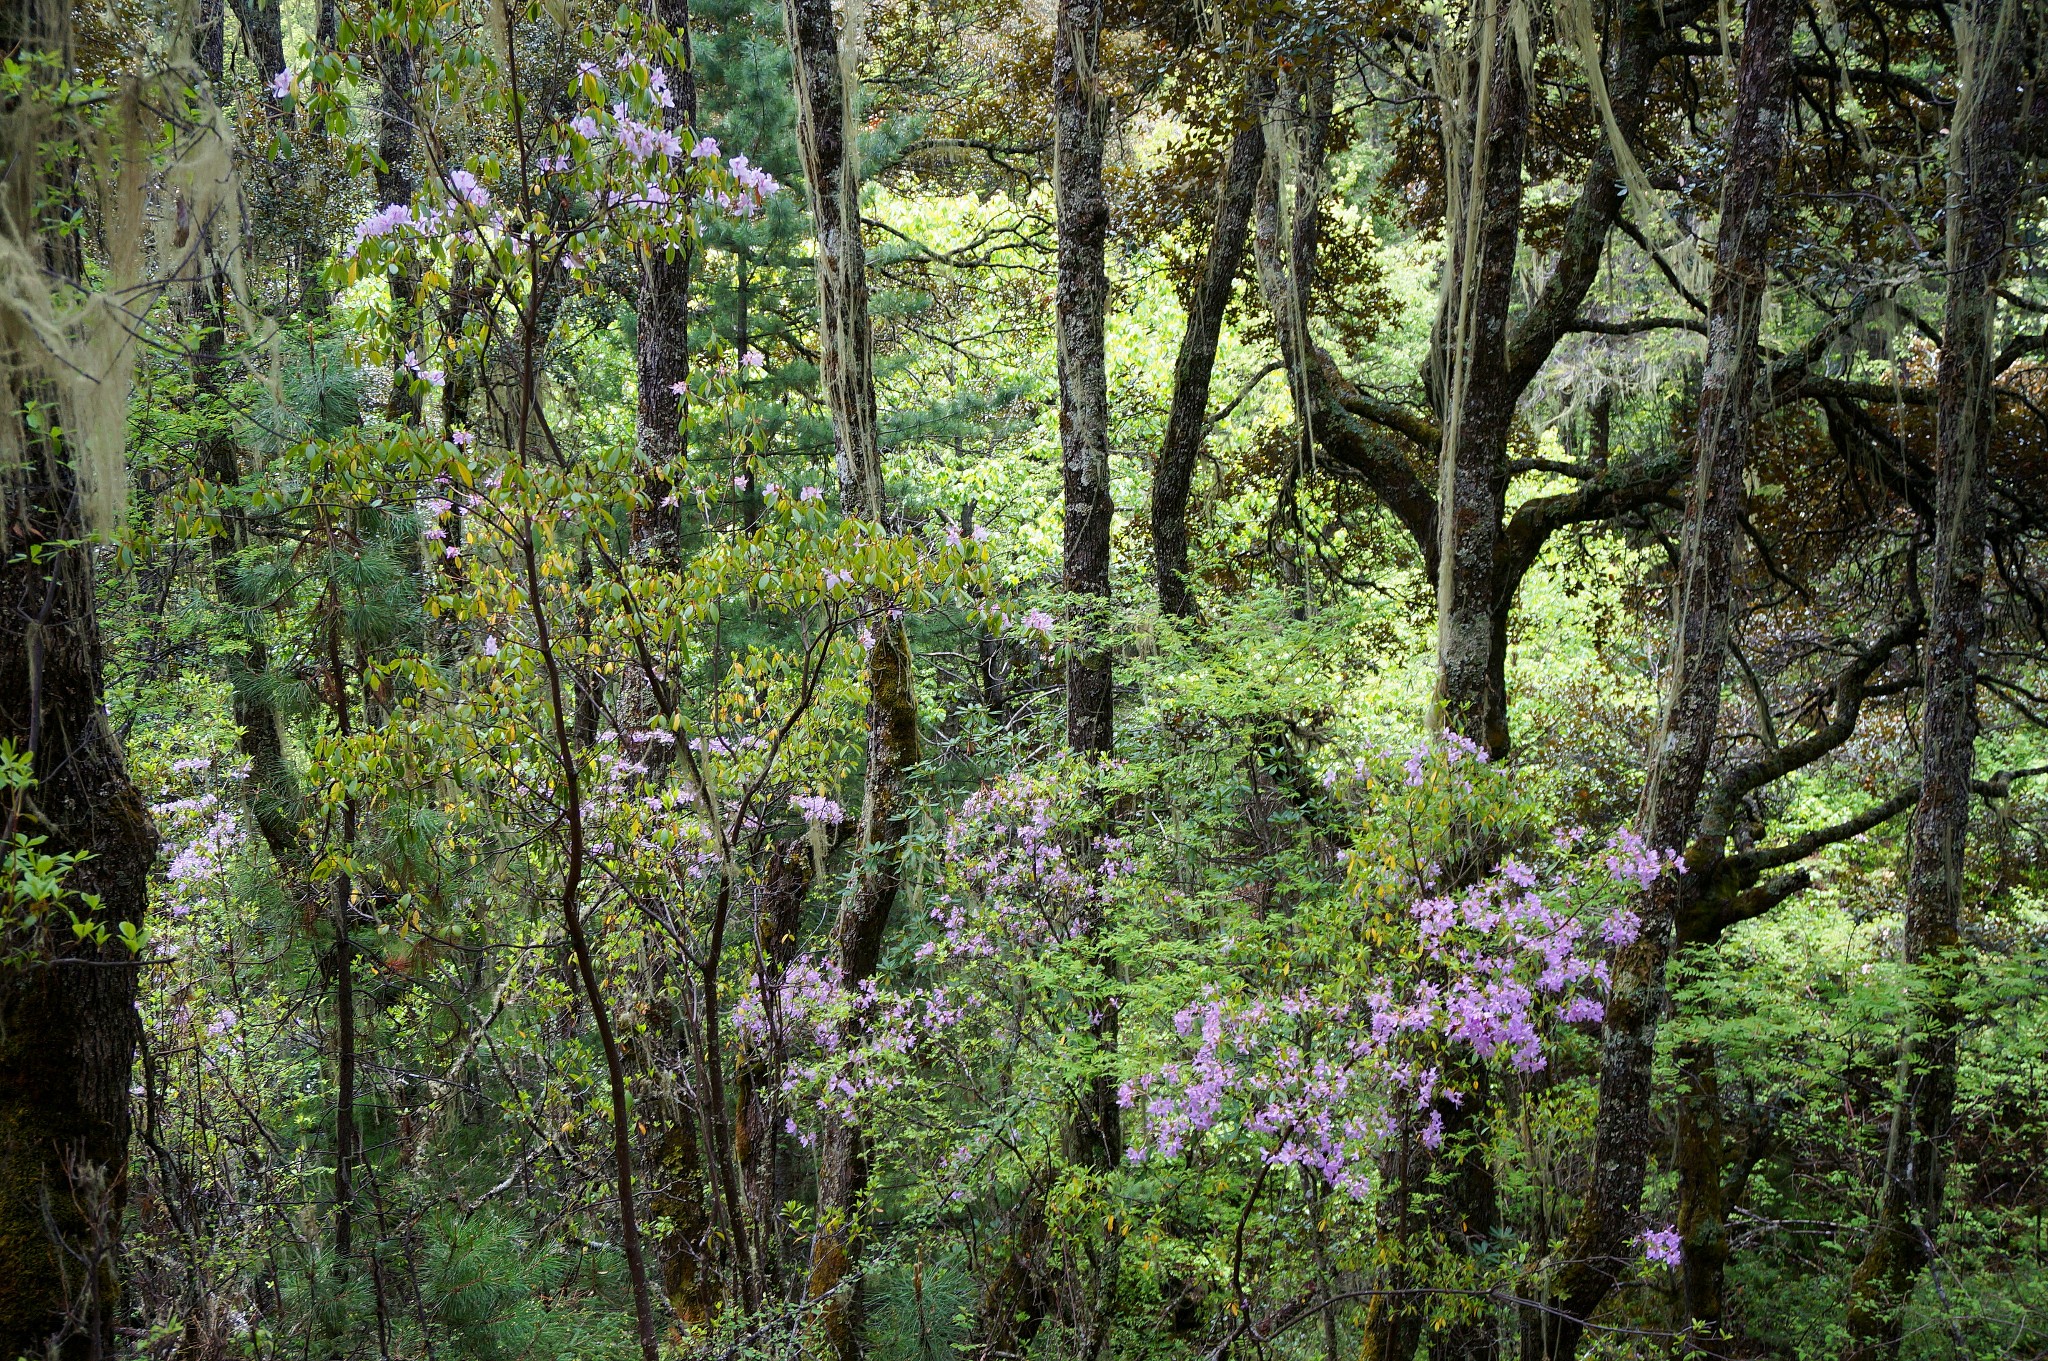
1638, 325
1774, 765
1799, 848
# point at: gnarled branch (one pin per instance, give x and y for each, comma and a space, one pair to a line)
1848, 696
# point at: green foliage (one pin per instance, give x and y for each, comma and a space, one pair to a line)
402, 686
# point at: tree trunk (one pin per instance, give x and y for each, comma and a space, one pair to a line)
1080, 127
758, 1141
273, 788
1599, 1248
1392, 1327
677, 1196
68, 1025
340, 963
1478, 398
1014, 1303
827, 141
1702, 1212
1467, 1209
1188, 415
826, 136
1094, 1135
1483, 359
396, 184
664, 311
1983, 186
572, 915
263, 36
273, 791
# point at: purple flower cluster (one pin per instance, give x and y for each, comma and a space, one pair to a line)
1258, 1063
753, 187
467, 188
202, 834
1450, 748
1020, 887
643, 141
1511, 952
386, 220
1661, 1246
812, 1012
1494, 969
1630, 857
818, 808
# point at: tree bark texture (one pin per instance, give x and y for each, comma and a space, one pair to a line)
68, 1025
759, 1143
1466, 1208
1392, 1327
1016, 1301
826, 137
827, 140
1702, 1212
1599, 1249
1473, 599
1080, 129
262, 24
1983, 187
689, 1277
1479, 398
1094, 1134
1187, 416
664, 308
396, 183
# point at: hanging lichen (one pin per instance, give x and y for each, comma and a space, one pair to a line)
70, 319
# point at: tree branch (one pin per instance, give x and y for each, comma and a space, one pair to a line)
1793, 367
2018, 348
1742, 906
1413, 426
1638, 325
1622, 488
1800, 847
1999, 786
1843, 389
1774, 765
1732, 894
1338, 406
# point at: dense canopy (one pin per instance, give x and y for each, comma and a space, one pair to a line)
1057, 679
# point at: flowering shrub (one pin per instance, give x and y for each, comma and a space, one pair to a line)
1022, 885
1323, 1077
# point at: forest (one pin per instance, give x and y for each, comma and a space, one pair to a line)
1023, 680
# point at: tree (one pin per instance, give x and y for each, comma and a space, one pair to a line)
68, 1024
1983, 184
1583, 1269
826, 123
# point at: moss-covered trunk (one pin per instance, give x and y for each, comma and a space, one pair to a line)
68, 1025
1984, 184
827, 132
1187, 416
1599, 1249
